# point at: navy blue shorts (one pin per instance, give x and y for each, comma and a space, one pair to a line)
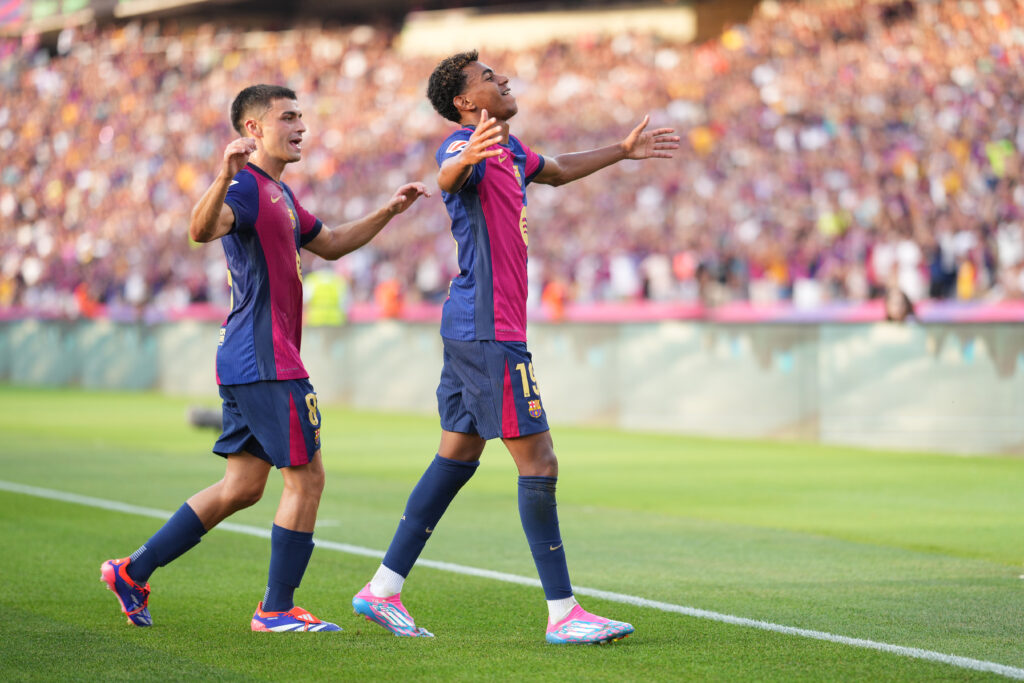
277, 421
488, 388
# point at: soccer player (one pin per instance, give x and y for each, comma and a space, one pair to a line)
488, 389
271, 417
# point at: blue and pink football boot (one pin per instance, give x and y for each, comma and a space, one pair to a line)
295, 619
583, 628
134, 598
389, 613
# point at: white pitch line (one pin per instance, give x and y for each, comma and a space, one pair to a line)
913, 652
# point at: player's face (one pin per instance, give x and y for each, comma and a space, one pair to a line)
282, 129
489, 90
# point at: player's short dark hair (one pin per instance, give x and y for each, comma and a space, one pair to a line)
447, 81
256, 97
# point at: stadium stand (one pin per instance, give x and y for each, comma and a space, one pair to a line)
835, 150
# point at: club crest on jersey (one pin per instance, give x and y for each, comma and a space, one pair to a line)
456, 146
291, 216
535, 409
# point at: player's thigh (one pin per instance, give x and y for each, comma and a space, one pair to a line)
461, 447
245, 470
307, 479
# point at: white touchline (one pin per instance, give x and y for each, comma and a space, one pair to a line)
916, 653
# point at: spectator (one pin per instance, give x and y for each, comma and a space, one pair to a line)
830, 142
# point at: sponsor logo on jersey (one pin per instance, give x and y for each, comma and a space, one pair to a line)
535, 409
456, 146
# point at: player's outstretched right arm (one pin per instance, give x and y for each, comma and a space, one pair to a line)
456, 170
211, 217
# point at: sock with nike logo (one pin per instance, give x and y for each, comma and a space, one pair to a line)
539, 515
429, 499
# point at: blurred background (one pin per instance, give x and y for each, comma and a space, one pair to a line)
843, 162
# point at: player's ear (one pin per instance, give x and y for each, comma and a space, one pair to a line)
462, 104
252, 126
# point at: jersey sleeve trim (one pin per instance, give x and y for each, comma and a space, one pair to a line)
308, 237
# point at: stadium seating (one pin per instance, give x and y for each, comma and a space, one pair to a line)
831, 150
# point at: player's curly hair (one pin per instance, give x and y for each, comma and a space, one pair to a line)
256, 97
447, 81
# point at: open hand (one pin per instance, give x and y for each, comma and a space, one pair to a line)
655, 144
488, 133
405, 196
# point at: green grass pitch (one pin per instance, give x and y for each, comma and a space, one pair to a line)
910, 549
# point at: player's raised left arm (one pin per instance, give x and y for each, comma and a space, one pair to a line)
333, 243
659, 143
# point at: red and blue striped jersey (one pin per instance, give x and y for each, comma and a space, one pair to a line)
487, 299
261, 337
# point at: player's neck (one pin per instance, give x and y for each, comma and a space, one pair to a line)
272, 166
504, 129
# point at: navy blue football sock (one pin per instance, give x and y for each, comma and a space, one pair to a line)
289, 556
429, 499
181, 532
539, 515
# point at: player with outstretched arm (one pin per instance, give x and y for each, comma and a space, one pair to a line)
488, 389
270, 412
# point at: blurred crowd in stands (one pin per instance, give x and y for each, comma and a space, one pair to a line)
832, 151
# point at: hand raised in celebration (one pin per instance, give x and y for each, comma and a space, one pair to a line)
236, 155
655, 144
405, 196
488, 133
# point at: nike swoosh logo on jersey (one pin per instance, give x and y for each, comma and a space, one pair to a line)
233, 182
275, 200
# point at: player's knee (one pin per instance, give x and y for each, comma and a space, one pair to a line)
309, 482
540, 462
546, 464
241, 496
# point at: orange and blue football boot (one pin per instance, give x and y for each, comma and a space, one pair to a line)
389, 613
134, 598
295, 619
582, 627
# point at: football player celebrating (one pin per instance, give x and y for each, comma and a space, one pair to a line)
488, 388
270, 412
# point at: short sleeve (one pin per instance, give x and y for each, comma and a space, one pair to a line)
455, 143
309, 225
244, 199
534, 162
